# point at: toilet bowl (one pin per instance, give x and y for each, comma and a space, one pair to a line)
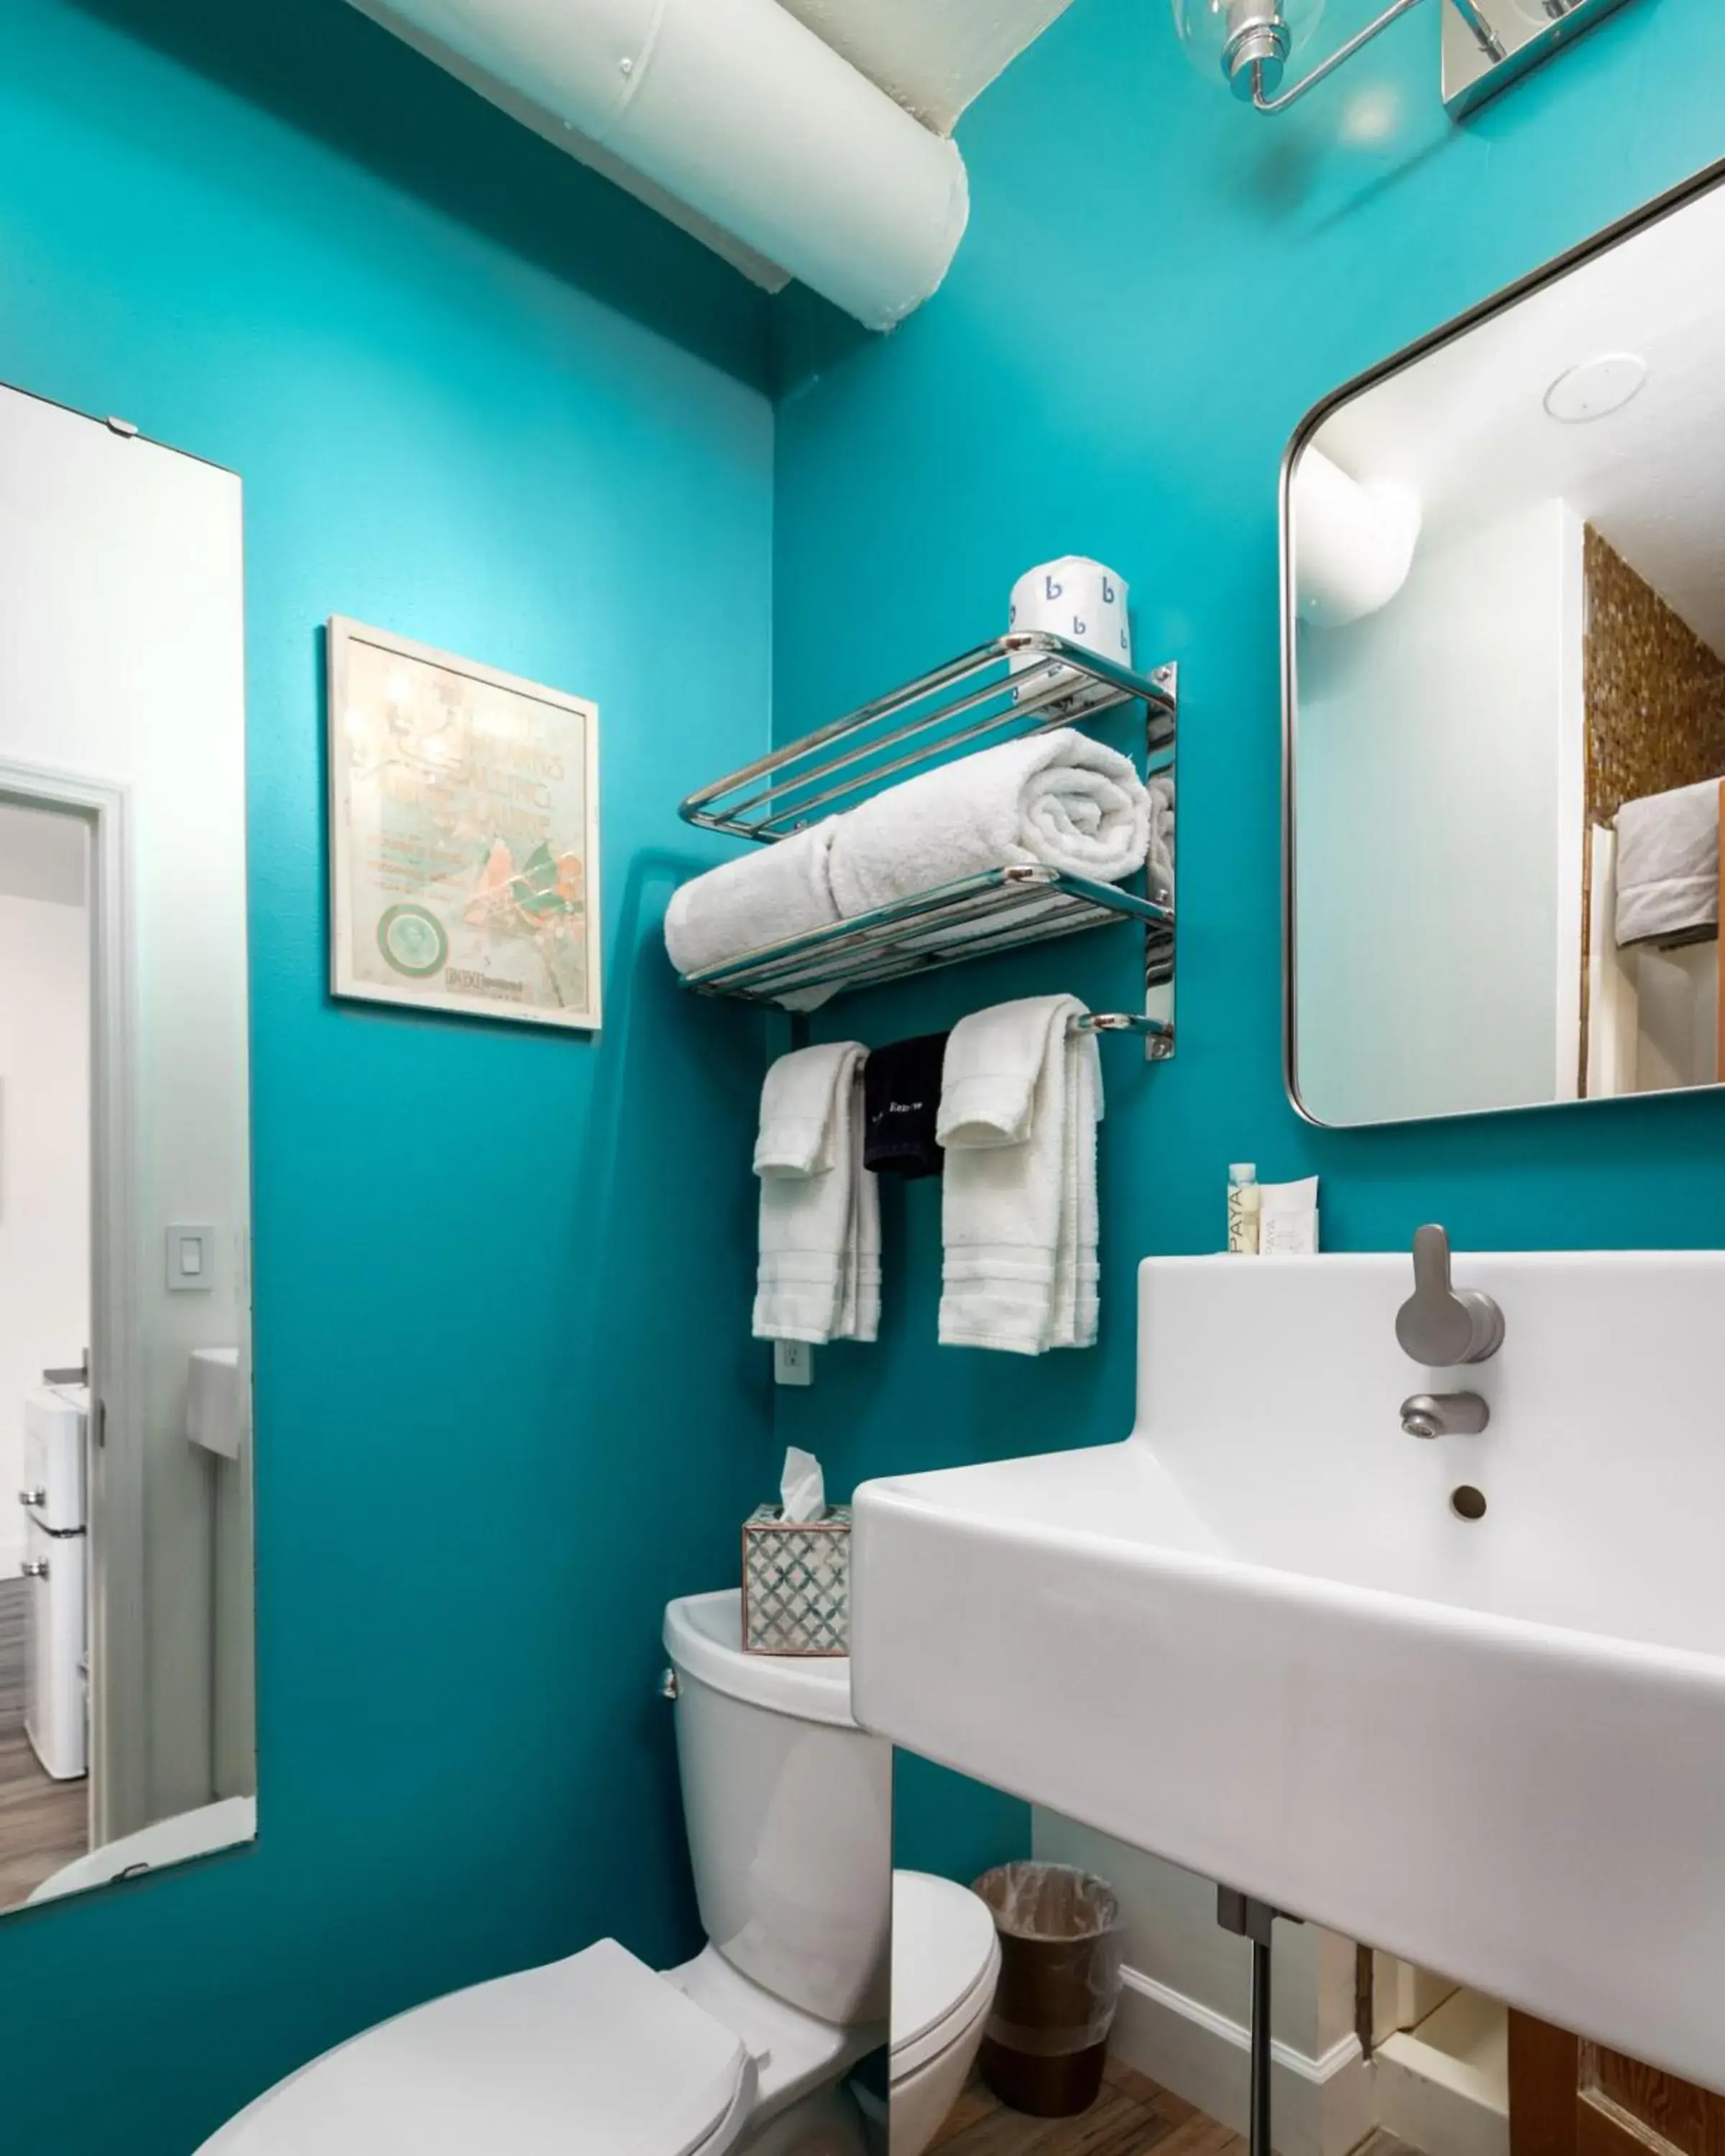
946, 1959
818, 1955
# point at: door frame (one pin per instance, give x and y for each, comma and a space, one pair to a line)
119, 1720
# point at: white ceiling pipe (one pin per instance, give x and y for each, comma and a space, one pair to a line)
1353, 544
738, 110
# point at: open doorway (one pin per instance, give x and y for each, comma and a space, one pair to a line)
46, 980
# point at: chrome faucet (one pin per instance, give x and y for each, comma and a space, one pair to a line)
1440, 1325
1444, 1414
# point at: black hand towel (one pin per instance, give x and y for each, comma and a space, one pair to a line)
902, 1100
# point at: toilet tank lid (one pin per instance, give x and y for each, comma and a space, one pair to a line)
703, 1636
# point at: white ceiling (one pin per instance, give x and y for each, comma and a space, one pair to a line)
43, 855
1466, 428
933, 56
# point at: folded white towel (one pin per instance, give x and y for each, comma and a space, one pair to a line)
819, 1275
1057, 797
988, 1087
775, 891
1077, 1303
1021, 1096
1668, 866
798, 1130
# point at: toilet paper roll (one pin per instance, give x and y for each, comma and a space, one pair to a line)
1353, 544
1077, 598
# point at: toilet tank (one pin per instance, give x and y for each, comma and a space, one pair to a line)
788, 1806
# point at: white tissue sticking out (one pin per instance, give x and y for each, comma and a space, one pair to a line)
802, 1490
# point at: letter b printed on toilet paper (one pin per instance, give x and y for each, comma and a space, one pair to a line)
1079, 599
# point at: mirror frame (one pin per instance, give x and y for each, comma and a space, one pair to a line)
1710, 178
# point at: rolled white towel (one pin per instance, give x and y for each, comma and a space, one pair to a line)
1058, 798
774, 891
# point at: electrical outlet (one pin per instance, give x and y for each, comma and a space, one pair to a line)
792, 1362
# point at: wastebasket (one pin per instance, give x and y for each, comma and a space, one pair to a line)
1047, 2037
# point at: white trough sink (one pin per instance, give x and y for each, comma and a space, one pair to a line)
1255, 1638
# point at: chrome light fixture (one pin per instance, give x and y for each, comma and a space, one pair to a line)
1487, 44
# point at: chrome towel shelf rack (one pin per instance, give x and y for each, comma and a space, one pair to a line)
1022, 683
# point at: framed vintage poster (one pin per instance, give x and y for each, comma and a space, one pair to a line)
463, 835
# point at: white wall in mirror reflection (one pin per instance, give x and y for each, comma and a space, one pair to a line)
1439, 800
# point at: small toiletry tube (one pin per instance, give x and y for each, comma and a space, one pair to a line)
1287, 1219
1243, 1202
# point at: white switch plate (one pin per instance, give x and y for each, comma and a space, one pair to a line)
792, 1362
191, 1259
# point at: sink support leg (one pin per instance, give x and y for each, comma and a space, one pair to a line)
1260, 2048
1255, 1921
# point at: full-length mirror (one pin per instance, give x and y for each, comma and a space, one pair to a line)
126, 1722
1506, 617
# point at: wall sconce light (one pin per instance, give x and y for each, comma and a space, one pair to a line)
1487, 44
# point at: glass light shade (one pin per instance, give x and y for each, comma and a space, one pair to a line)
1215, 33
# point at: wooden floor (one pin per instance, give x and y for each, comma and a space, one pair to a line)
1132, 2115
43, 1823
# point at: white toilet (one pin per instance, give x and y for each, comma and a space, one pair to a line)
788, 1808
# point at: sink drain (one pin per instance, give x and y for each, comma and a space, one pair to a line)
1468, 1503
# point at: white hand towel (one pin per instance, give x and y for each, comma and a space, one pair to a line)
1057, 797
775, 891
1020, 1096
1077, 1302
860, 1315
819, 1273
1668, 866
989, 1085
798, 1130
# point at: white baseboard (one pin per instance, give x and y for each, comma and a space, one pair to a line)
1318, 2107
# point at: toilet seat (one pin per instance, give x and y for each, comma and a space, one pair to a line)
946, 1957
507, 2066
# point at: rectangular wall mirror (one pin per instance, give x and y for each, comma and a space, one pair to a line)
1505, 657
127, 1719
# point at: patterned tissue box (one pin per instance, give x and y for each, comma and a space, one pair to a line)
796, 1584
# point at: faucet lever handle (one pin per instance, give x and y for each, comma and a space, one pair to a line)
1439, 1324
1431, 1261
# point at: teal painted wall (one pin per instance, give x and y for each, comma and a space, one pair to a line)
478, 395
1154, 288
506, 1400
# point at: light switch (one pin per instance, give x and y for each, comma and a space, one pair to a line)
191, 1258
